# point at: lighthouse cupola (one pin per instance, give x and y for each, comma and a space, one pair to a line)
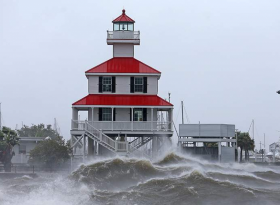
123, 37
123, 23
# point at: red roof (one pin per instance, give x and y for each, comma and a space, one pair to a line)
123, 100
123, 18
122, 65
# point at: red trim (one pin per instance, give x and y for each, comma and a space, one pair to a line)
123, 65
122, 100
123, 18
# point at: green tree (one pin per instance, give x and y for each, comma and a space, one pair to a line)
50, 153
39, 130
245, 143
8, 139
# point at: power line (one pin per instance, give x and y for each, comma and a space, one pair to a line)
188, 119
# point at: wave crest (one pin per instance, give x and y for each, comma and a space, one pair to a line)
172, 158
116, 173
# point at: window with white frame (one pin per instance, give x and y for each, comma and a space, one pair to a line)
22, 149
138, 84
106, 114
107, 84
138, 114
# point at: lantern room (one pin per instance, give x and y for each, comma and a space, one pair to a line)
123, 23
123, 31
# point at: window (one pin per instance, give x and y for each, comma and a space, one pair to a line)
138, 114
22, 149
116, 26
107, 84
130, 26
106, 114
138, 84
124, 26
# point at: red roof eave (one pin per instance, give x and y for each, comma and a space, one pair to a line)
122, 100
123, 18
123, 65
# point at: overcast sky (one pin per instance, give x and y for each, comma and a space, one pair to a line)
221, 57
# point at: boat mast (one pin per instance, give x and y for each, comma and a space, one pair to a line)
182, 104
253, 129
264, 142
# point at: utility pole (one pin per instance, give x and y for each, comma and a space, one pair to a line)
264, 142
182, 103
274, 152
261, 150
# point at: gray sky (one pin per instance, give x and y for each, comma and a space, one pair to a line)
221, 57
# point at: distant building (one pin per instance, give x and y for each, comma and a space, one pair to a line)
123, 108
22, 151
274, 147
209, 141
274, 152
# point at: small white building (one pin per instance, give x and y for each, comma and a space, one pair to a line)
22, 151
123, 108
210, 141
274, 152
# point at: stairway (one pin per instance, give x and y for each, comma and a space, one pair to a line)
118, 147
104, 140
139, 142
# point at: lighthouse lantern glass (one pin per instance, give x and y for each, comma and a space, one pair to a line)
123, 26
116, 26
130, 26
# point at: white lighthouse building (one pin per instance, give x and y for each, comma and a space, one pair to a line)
124, 110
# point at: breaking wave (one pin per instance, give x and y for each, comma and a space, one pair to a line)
174, 179
116, 173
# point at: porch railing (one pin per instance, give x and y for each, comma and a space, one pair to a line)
124, 125
111, 35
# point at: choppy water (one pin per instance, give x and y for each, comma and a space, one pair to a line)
172, 180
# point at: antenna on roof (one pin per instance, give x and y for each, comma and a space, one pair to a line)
169, 96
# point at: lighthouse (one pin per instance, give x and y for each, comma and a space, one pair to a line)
124, 110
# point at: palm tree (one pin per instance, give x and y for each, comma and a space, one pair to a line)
8, 139
245, 143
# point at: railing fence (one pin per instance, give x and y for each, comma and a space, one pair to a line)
122, 125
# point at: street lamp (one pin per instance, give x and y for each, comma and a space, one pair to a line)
278, 92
